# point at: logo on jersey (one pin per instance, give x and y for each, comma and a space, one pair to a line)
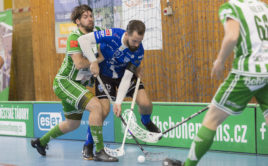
108, 87
117, 54
126, 60
73, 43
108, 32
255, 82
100, 88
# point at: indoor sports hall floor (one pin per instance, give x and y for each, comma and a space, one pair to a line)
16, 151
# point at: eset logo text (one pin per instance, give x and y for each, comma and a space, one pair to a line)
48, 120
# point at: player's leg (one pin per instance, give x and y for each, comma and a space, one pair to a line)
110, 85
96, 119
204, 138
63, 127
88, 145
145, 106
230, 99
70, 93
96, 124
105, 103
93, 104
87, 151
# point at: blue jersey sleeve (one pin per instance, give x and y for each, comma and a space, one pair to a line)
105, 35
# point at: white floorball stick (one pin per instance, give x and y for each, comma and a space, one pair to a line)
151, 156
120, 151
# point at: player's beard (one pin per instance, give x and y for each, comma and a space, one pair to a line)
131, 48
87, 28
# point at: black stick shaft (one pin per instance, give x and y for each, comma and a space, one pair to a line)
185, 120
135, 139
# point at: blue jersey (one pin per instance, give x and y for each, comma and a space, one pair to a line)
116, 54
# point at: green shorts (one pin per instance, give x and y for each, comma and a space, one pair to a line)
236, 91
74, 97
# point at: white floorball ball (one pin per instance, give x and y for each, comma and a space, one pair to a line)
141, 158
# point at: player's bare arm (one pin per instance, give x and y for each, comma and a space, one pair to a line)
80, 62
100, 57
231, 36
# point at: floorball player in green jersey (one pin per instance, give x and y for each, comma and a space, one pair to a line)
70, 86
246, 33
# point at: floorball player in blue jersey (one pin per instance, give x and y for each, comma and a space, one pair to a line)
123, 52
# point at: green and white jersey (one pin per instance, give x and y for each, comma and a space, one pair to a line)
251, 51
67, 69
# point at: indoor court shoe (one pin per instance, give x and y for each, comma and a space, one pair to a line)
152, 127
41, 149
104, 157
171, 162
88, 152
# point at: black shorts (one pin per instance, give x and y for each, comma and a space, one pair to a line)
112, 85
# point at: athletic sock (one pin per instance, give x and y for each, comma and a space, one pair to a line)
89, 137
200, 146
96, 132
53, 133
145, 119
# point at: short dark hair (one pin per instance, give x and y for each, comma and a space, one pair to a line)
78, 11
136, 25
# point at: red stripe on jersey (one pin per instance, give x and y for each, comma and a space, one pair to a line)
73, 43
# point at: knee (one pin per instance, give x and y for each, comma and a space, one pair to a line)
94, 106
214, 117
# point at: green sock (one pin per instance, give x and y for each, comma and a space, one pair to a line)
96, 132
53, 133
200, 146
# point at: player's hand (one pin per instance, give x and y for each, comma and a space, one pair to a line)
117, 109
94, 68
217, 70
